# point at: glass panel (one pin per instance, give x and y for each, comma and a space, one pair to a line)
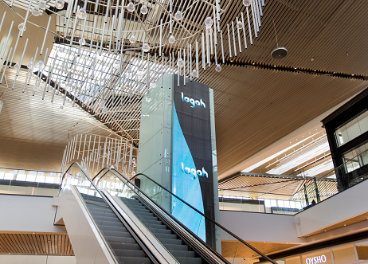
27, 182
352, 129
318, 257
344, 254
256, 202
363, 122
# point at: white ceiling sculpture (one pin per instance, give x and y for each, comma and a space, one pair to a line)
108, 54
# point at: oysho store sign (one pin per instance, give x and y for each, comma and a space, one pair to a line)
321, 257
316, 260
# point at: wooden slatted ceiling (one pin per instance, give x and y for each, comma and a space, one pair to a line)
324, 30
35, 244
255, 107
30, 118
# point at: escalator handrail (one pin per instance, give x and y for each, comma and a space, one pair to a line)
211, 220
100, 193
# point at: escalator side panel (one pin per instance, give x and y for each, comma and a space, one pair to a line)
86, 241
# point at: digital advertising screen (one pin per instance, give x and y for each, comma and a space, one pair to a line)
192, 176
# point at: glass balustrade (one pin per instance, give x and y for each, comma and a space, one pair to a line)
29, 182
258, 202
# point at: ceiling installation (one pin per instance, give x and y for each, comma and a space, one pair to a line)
258, 99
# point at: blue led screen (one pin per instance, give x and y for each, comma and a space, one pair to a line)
192, 172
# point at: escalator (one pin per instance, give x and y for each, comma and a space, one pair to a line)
174, 244
111, 220
125, 247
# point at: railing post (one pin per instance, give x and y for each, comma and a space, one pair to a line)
306, 195
317, 192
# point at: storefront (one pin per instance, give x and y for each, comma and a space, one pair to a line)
356, 252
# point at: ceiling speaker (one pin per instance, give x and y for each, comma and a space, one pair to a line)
279, 53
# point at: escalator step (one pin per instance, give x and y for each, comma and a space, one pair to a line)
130, 260
185, 260
144, 214
177, 247
165, 236
119, 228
151, 222
167, 241
107, 222
116, 233
124, 246
129, 253
106, 218
99, 209
161, 231
154, 227
120, 239
182, 254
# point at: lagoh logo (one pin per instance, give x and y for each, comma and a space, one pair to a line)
192, 101
194, 172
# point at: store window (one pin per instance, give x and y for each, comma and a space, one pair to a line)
344, 254
362, 250
352, 129
356, 158
319, 257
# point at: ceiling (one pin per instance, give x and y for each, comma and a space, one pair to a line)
27, 117
258, 99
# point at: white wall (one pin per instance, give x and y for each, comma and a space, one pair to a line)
260, 227
27, 214
31, 259
340, 207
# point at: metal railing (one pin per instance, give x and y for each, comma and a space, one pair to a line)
348, 174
